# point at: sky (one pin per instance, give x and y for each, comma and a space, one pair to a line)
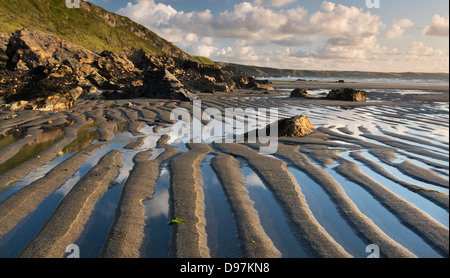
353, 35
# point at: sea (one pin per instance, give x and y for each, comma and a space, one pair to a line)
422, 81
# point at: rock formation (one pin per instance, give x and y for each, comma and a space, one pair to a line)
299, 93
163, 84
260, 85
348, 94
295, 127
47, 73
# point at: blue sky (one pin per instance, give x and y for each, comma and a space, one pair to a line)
399, 35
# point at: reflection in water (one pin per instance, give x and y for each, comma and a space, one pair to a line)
222, 238
33, 148
91, 240
159, 205
31, 177
157, 232
272, 217
13, 242
383, 218
85, 137
399, 174
17, 238
437, 212
10, 137
326, 213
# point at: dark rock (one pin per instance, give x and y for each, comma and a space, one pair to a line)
118, 71
162, 84
299, 93
347, 94
259, 85
46, 88
195, 76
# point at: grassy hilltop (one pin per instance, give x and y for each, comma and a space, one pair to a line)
90, 26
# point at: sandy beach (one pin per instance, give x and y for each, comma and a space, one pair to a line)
372, 172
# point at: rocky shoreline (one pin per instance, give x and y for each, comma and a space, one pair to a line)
44, 72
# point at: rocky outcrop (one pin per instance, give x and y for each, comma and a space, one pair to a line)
47, 73
44, 88
29, 48
163, 84
195, 76
113, 72
44, 71
348, 94
299, 93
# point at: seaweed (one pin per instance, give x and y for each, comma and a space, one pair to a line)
176, 221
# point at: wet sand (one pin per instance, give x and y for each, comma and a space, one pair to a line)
138, 127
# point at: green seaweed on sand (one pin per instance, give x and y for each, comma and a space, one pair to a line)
176, 221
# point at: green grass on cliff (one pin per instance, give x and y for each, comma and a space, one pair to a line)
89, 26
203, 60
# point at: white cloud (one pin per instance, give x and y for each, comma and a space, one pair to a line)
148, 12
255, 22
397, 29
420, 50
438, 27
342, 20
336, 37
205, 47
247, 21
166, 21
273, 3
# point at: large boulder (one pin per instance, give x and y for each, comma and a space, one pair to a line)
299, 93
348, 94
295, 127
